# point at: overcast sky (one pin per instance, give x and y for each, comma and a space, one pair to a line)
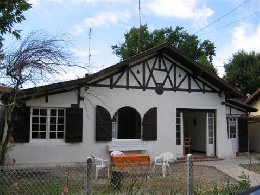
232, 25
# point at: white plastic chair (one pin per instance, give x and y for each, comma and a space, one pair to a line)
163, 160
116, 153
100, 164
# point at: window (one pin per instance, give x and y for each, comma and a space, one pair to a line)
126, 124
114, 126
178, 127
47, 123
232, 127
210, 123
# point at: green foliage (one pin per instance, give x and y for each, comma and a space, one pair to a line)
11, 12
140, 39
243, 71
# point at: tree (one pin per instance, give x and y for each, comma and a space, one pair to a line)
140, 39
37, 56
243, 71
11, 12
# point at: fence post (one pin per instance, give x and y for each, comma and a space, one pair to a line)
89, 178
189, 174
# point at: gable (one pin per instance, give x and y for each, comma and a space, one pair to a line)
160, 73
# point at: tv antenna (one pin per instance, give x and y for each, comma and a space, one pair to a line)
89, 53
140, 24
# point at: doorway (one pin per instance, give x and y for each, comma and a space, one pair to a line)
198, 126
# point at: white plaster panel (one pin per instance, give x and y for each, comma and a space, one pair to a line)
57, 100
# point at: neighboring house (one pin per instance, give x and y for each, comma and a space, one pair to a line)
254, 122
146, 104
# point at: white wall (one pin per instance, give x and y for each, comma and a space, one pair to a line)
142, 101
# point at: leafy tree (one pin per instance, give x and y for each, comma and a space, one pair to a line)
11, 12
141, 39
37, 56
243, 71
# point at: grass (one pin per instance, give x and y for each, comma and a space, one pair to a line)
255, 167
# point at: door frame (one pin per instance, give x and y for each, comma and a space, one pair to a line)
206, 111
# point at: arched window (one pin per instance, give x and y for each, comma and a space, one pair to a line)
126, 124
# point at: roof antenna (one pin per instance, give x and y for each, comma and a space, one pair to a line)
140, 24
89, 54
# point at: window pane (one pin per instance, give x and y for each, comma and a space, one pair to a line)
178, 142
60, 120
35, 135
210, 120
178, 120
52, 127
53, 120
42, 127
35, 120
210, 133
43, 120
178, 135
43, 135
35, 111
178, 127
210, 140
61, 112
35, 127
43, 112
60, 135
52, 135
60, 127
53, 112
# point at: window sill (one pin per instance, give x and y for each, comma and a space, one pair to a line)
48, 142
127, 145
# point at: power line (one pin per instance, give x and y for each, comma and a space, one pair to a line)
221, 17
231, 23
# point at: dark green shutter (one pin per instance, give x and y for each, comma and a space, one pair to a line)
243, 134
21, 131
150, 125
103, 124
74, 125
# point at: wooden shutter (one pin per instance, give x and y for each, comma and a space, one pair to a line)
243, 134
103, 124
21, 131
150, 125
74, 125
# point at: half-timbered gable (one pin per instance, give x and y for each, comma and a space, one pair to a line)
149, 103
160, 73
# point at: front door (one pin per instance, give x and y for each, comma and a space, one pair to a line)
210, 129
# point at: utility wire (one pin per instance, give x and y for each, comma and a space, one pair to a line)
231, 23
221, 17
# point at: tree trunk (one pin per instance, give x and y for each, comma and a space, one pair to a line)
10, 125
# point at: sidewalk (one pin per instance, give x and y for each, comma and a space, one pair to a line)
231, 167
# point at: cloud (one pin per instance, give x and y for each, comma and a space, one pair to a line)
102, 19
107, 19
245, 36
184, 9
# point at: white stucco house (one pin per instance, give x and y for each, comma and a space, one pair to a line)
254, 122
146, 104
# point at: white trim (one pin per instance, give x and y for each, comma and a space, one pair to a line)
127, 145
58, 142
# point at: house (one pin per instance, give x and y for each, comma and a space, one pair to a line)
254, 122
146, 104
